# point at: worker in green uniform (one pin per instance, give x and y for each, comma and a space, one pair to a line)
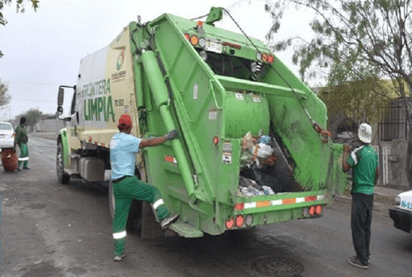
21, 140
126, 186
364, 163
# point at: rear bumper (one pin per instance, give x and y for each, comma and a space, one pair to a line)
402, 219
6, 143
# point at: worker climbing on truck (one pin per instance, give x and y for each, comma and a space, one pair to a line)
126, 186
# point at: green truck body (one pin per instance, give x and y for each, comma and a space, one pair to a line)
225, 93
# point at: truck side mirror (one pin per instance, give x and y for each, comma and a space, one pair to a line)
60, 97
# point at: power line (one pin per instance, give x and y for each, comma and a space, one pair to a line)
32, 83
32, 100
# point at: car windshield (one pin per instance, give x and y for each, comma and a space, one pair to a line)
5, 126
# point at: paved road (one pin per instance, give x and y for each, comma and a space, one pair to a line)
48, 229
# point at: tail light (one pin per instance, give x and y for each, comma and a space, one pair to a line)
194, 40
312, 211
230, 223
239, 221
318, 209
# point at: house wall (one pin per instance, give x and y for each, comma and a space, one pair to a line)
49, 125
392, 160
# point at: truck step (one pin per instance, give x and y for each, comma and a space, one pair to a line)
185, 230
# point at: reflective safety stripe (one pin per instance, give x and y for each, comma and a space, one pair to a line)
283, 201
157, 203
24, 159
119, 235
353, 154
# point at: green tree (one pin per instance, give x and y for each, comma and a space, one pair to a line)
20, 7
32, 116
4, 96
355, 33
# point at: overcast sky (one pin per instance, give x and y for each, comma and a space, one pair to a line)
43, 49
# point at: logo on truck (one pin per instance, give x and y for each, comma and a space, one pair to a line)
120, 61
98, 102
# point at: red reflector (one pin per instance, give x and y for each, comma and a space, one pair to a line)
239, 206
310, 198
312, 211
318, 209
169, 159
229, 223
271, 59
215, 140
187, 36
239, 221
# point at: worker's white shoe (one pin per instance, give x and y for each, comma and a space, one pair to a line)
119, 258
165, 223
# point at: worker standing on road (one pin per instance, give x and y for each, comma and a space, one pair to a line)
126, 186
364, 163
21, 140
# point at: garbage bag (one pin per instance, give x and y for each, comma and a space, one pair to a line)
9, 159
264, 179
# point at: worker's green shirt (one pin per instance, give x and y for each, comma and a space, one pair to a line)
21, 135
364, 162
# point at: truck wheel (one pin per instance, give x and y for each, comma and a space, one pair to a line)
63, 178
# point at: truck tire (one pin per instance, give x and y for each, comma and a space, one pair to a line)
62, 177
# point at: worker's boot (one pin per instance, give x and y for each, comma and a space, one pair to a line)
165, 223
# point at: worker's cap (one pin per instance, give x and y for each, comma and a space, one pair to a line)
125, 120
365, 133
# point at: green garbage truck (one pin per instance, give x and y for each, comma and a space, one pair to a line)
253, 146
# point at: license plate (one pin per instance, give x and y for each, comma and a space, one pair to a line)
2, 136
213, 46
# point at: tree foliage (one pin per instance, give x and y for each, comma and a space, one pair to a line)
20, 7
357, 33
32, 117
4, 95
357, 94
358, 36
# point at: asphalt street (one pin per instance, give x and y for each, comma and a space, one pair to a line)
49, 229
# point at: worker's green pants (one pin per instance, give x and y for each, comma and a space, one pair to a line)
24, 155
124, 192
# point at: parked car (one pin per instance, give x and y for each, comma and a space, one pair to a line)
7, 135
401, 212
